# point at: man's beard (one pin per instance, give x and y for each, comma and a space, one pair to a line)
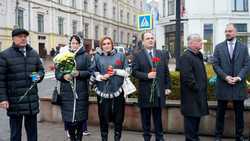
230, 39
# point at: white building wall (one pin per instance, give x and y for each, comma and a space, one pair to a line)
200, 12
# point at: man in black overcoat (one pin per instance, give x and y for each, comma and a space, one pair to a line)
231, 64
193, 79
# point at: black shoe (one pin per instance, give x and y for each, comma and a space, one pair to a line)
240, 138
104, 136
79, 137
117, 136
217, 139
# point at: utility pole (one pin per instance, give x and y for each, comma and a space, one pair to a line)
178, 34
16, 14
29, 15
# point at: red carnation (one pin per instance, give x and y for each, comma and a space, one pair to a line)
51, 67
118, 62
156, 59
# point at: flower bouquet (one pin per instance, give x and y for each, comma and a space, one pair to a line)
155, 61
65, 63
248, 87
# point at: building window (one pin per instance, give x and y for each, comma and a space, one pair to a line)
96, 6
86, 30
74, 27
20, 18
114, 13
121, 37
240, 5
134, 20
121, 15
105, 31
128, 18
114, 35
74, 3
60, 1
171, 7
104, 9
242, 28
60, 25
85, 5
96, 32
208, 37
40, 22
164, 8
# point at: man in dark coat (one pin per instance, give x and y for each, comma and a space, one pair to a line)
151, 99
20, 69
231, 64
193, 79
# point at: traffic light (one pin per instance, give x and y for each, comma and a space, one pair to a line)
134, 41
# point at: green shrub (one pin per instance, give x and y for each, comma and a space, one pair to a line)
175, 85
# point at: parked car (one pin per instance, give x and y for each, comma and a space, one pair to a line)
120, 49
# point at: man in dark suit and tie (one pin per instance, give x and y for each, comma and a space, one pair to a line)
150, 66
231, 64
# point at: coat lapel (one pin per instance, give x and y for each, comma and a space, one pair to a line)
226, 52
236, 50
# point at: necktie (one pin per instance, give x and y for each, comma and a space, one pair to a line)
231, 49
150, 54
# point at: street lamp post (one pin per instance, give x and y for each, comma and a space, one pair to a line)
29, 15
16, 10
178, 34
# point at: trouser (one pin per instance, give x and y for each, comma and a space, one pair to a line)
75, 130
191, 126
146, 123
239, 117
111, 110
30, 123
84, 126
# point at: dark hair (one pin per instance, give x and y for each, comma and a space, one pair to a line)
75, 37
106, 38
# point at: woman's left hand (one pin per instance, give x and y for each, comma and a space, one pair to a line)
75, 73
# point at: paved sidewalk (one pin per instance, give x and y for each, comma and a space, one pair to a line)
54, 132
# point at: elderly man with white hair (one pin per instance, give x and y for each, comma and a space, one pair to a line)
193, 87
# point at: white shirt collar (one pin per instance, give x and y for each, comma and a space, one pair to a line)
233, 41
152, 51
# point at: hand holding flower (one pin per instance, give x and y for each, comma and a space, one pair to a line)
67, 77
75, 73
110, 71
105, 77
152, 75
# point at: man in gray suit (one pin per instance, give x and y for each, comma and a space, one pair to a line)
231, 64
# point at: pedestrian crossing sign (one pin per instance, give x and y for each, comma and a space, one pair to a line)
144, 22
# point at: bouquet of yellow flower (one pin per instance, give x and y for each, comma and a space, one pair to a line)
65, 62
